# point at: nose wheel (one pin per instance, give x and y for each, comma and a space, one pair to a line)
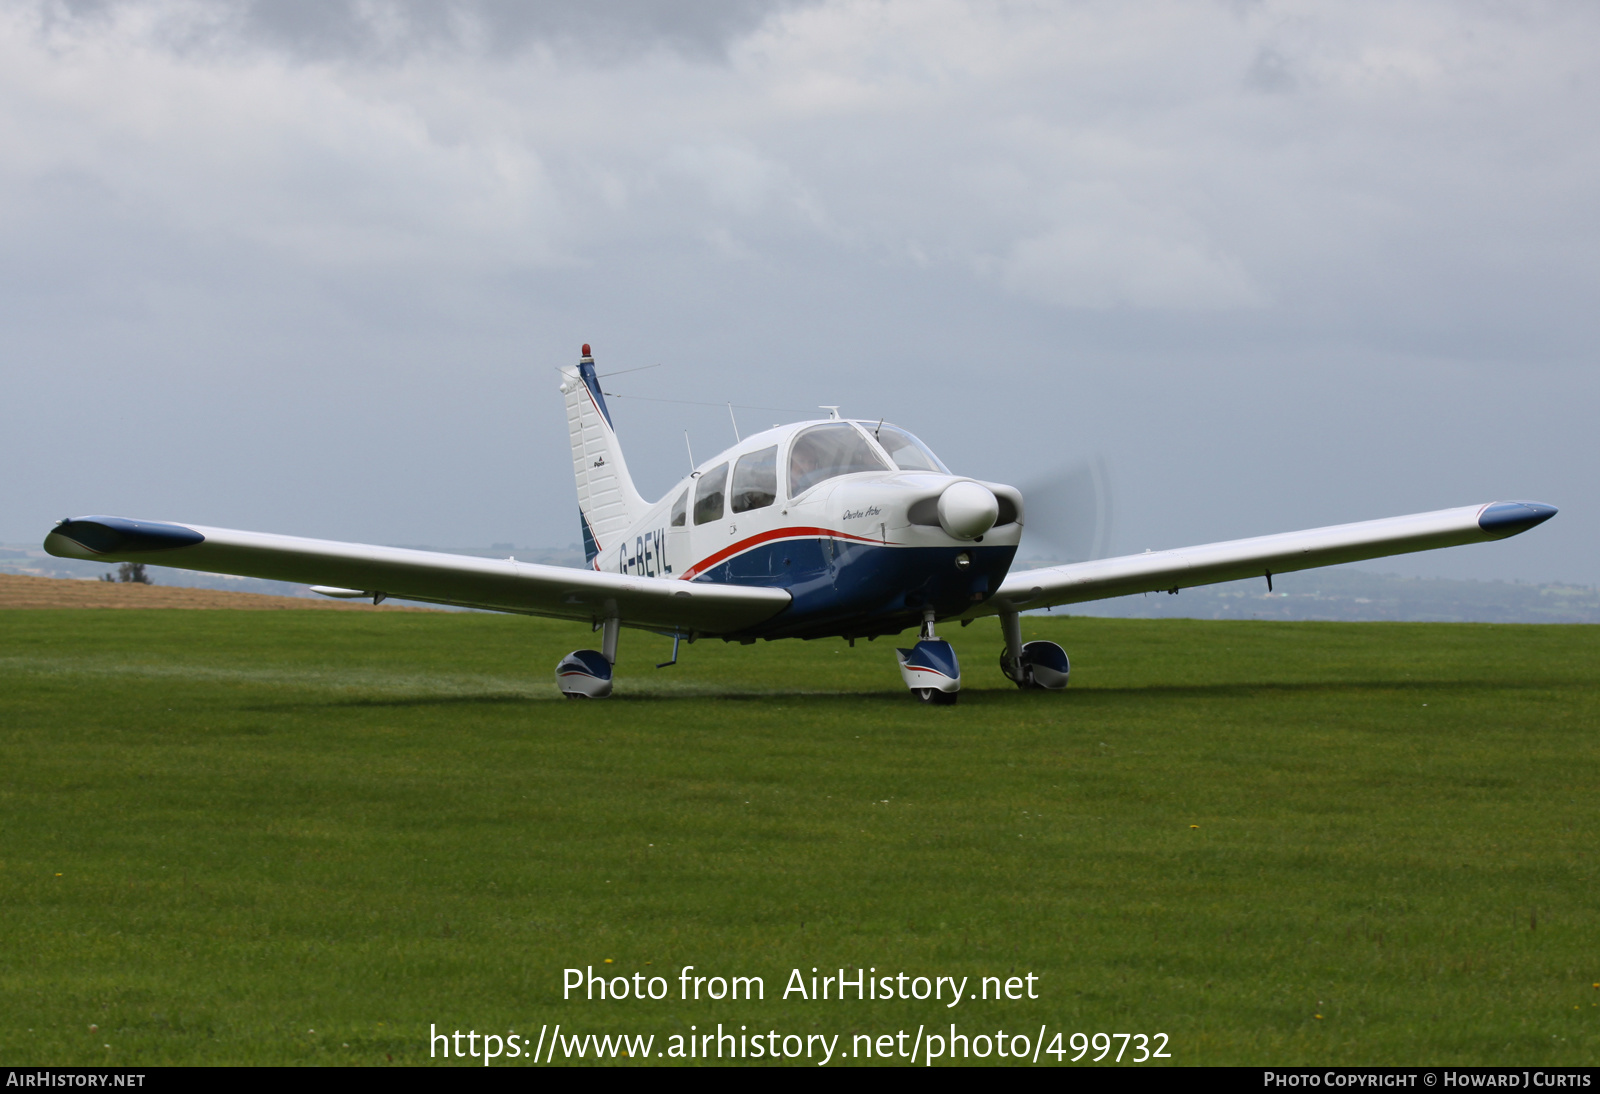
930, 668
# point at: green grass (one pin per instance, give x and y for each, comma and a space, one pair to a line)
219, 831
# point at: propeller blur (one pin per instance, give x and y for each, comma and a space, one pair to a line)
1069, 513
825, 528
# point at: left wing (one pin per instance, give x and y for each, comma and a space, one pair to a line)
357, 569
1184, 567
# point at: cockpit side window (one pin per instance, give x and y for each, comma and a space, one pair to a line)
680, 509
708, 494
908, 453
755, 480
825, 451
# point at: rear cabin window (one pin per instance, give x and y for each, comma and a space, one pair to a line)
680, 509
755, 480
908, 453
708, 494
826, 451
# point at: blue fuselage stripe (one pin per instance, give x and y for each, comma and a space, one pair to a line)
863, 589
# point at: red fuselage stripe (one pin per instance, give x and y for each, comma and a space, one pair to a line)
767, 537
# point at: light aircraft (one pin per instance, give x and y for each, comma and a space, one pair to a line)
818, 529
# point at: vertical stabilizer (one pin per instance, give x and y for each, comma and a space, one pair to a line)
607, 501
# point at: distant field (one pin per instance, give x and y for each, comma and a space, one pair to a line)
17, 591
1274, 842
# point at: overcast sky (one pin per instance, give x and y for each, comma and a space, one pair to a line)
309, 267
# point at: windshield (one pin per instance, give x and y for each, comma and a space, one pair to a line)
908, 453
825, 451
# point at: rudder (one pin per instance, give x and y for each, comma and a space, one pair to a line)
608, 504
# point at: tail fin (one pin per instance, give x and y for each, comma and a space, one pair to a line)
607, 501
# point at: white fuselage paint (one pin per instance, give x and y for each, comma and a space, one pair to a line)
868, 507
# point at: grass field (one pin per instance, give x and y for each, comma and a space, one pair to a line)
223, 830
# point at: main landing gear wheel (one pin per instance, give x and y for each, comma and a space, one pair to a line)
584, 674
1043, 666
935, 697
1008, 668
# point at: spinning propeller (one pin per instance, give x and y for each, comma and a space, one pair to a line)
1067, 513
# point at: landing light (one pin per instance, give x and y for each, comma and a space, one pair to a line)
963, 560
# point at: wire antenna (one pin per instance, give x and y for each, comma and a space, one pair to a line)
694, 402
625, 371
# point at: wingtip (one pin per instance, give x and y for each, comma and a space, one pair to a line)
97, 537
1508, 518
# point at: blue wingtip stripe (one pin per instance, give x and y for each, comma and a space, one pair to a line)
119, 535
1507, 518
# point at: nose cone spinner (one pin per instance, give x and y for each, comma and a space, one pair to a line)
967, 510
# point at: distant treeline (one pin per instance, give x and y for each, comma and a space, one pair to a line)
1338, 593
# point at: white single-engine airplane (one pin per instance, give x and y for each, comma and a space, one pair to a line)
818, 529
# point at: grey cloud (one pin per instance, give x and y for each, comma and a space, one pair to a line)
604, 30
333, 292
1270, 72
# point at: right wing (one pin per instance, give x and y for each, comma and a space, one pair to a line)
1184, 567
503, 585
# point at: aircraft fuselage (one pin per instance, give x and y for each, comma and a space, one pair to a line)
862, 553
